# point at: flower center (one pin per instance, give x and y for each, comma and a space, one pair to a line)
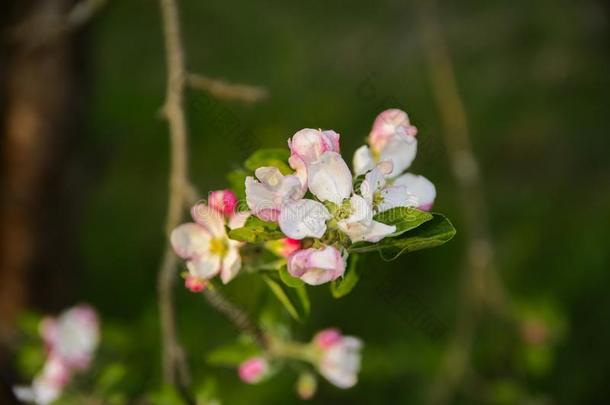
218, 247
377, 198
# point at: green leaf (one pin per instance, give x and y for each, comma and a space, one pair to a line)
404, 218
237, 182
256, 231
269, 157
232, 354
295, 301
433, 233
343, 286
288, 279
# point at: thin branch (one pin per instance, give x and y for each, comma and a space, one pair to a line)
236, 315
481, 286
174, 363
227, 91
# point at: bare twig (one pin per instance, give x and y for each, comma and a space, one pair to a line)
172, 354
481, 285
236, 315
227, 91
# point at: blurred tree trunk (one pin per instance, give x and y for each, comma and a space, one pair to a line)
40, 106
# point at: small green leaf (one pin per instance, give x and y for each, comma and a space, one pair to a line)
404, 218
341, 287
256, 231
288, 279
269, 157
296, 301
433, 233
232, 354
237, 182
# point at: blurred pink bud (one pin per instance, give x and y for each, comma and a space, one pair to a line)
253, 370
223, 201
193, 283
327, 337
534, 332
316, 266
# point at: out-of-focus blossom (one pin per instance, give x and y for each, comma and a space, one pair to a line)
307, 386
253, 370
283, 247
72, 337
267, 194
340, 357
70, 340
306, 147
223, 201
205, 246
316, 266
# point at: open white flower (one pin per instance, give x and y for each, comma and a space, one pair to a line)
267, 195
205, 245
420, 187
382, 196
304, 218
359, 224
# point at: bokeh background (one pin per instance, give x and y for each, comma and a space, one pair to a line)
534, 80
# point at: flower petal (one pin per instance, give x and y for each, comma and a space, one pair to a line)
231, 264
397, 196
377, 231
375, 180
189, 240
210, 219
304, 218
329, 178
401, 150
422, 188
204, 266
363, 160
316, 266
238, 219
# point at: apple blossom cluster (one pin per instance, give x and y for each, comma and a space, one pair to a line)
335, 356
70, 341
337, 212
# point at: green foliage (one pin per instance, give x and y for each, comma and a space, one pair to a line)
404, 218
288, 279
269, 157
430, 234
256, 230
343, 286
295, 300
237, 182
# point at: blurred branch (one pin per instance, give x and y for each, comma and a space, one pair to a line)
481, 286
174, 362
48, 32
236, 315
227, 91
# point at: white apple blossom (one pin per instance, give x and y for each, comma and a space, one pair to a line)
340, 357
383, 196
304, 218
329, 178
206, 247
270, 190
316, 266
359, 224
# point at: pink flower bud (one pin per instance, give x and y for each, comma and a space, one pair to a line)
306, 147
223, 201
390, 123
253, 370
289, 246
327, 337
194, 284
316, 266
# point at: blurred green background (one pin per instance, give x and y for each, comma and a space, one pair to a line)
534, 77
